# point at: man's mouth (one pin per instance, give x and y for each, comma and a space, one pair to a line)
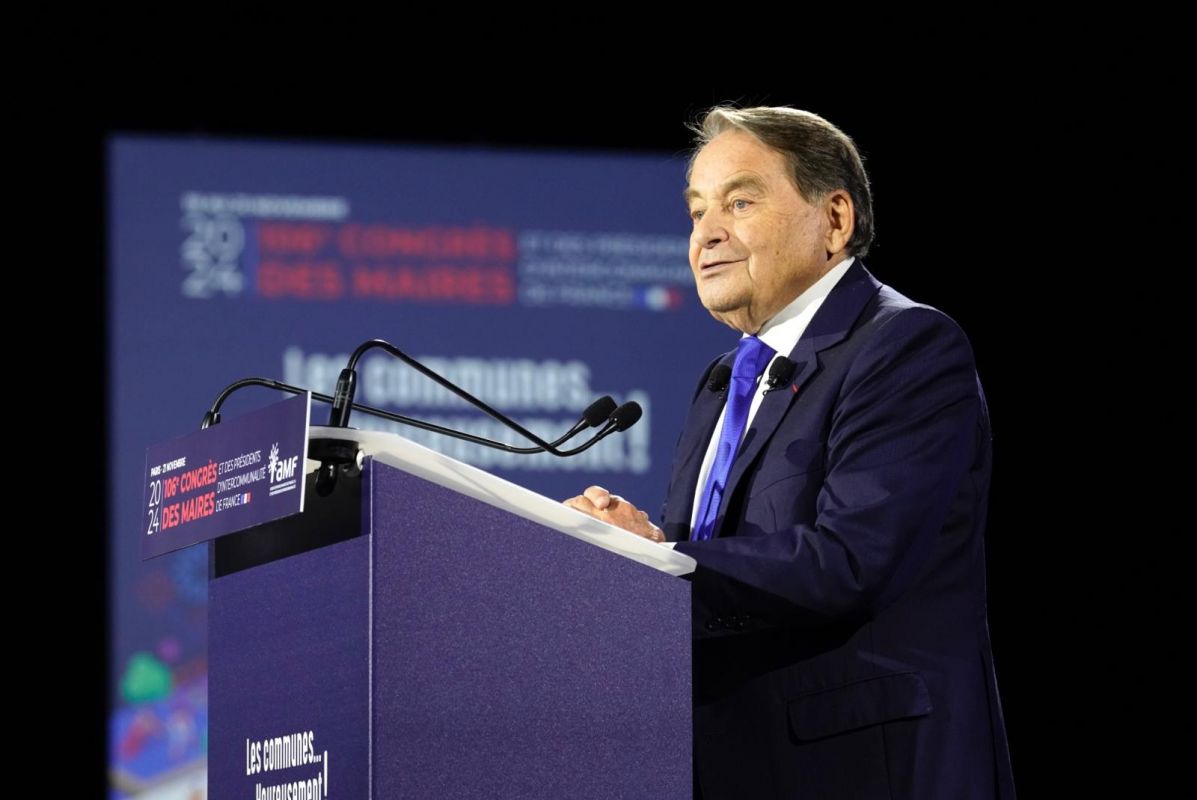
715, 265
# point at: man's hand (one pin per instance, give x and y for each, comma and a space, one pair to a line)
601, 504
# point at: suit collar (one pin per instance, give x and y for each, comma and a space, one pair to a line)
786, 327
842, 308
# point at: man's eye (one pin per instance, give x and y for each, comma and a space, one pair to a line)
696, 215
741, 204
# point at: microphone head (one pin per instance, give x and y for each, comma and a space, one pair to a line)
599, 411
781, 371
720, 378
626, 415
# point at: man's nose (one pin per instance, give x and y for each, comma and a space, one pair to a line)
710, 230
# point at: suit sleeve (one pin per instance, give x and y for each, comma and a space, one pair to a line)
903, 434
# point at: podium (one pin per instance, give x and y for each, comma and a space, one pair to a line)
429, 630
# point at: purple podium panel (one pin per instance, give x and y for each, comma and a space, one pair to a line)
400, 639
511, 660
288, 686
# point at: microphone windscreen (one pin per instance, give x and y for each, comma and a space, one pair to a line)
599, 411
781, 371
626, 415
720, 378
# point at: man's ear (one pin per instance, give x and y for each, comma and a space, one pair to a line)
840, 216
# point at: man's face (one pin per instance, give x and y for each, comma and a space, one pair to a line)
756, 244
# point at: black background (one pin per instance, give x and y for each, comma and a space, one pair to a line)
959, 155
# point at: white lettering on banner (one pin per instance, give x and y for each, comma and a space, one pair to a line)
216, 235
556, 392
287, 752
270, 206
622, 271
508, 384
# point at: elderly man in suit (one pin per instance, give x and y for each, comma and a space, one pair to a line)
831, 481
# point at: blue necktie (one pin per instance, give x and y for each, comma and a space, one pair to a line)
751, 357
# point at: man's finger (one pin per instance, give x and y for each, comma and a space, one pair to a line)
581, 503
597, 495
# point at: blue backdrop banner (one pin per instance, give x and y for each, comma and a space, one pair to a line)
536, 281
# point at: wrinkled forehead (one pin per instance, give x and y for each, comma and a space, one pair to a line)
735, 159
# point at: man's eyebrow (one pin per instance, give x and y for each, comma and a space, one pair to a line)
749, 182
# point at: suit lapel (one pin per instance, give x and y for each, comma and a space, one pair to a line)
830, 325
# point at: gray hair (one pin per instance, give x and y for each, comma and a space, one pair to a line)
823, 158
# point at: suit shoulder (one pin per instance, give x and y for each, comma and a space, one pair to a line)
897, 320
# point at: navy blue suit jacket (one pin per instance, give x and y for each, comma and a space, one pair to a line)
841, 645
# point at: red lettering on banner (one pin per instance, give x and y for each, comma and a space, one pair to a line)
199, 507
476, 285
305, 281
292, 238
476, 243
198, 478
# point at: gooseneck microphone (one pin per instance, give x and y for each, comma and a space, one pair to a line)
336, 454
598, 412
626, 416
595, 414
343, 399
602, 412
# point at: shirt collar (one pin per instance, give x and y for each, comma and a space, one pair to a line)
783, 331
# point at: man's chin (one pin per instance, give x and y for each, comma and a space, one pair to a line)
721, 302
734, 317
